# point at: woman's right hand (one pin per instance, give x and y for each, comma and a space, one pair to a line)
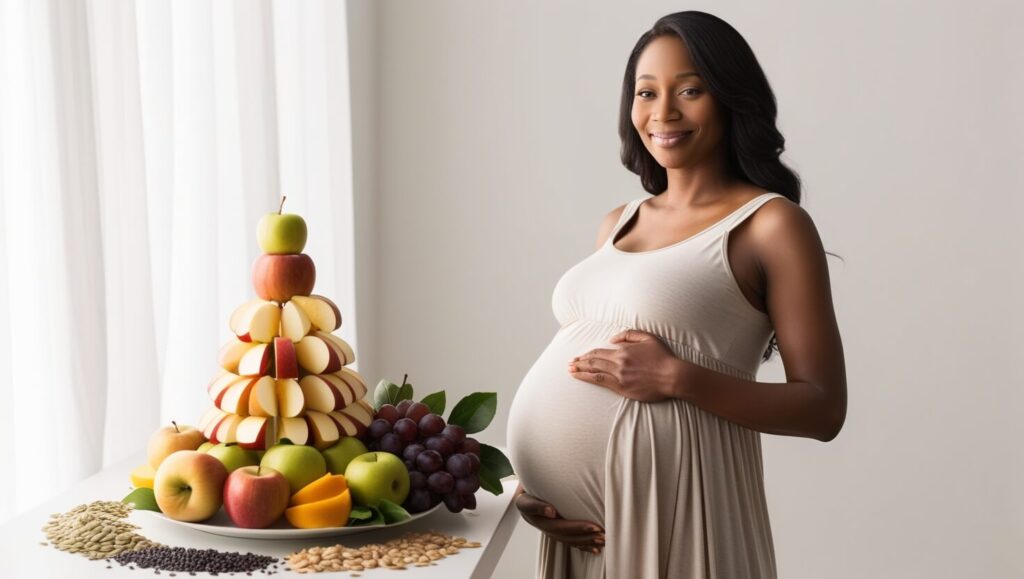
582, 535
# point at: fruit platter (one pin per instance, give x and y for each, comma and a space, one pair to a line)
294, 444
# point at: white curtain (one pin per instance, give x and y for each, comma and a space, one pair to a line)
140, 142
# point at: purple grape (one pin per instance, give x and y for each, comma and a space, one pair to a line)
406, 430
410, 465
470, 446
467, 485
474, 462
419, 500
458, 465
417, 479
412, 451
389, 412
454, 502
402, 407
434, 499
429, 461
373, 445
441, 445
469, 502
391, 443
379, 427
441, 482
454, 433
416, 411
430, 425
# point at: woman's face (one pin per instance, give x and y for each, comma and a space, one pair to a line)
673, 113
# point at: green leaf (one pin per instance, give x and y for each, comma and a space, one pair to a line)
375, 517
436, 402
143, 499
495, 461
474, 412
392, 512
489, 481
360, 513
380, 394
404, 393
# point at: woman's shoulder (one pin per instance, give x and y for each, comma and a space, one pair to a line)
608, 223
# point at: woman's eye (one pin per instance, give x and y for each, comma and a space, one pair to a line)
694, 93
642, 93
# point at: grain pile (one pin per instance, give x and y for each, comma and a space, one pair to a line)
97, 530
417, 549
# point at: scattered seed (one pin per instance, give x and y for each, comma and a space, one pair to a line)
417, 549
96, 530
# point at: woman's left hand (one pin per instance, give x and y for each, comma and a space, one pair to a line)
643, 368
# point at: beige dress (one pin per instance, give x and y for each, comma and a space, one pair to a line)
679, 491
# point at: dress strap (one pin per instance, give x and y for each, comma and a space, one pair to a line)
747, 210
627, 214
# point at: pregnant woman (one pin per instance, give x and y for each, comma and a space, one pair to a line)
636, 434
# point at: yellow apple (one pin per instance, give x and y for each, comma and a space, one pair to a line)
170, 439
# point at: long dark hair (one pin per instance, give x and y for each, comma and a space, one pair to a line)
735, 80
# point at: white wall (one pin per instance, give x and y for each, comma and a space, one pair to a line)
494, 155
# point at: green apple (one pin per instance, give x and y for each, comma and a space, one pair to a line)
206, 446
233, 456
339, 455
298, 463
281, 233
377, 475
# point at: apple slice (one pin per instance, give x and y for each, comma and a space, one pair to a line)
263, 397
290, 400
220, 385
236, 398
227, 428
360, 413
257, 323
253, 432
345, 423
322, 312
324, 430
317, 356
211, 429
295, 429
319, 394
345, 351
355, 381
295, 323
286, 364
256, 362
210, 418
231, 354
241, 315
348, 396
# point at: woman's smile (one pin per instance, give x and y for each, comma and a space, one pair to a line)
669, 139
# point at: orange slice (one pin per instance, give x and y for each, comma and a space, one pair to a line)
142, 477
332, 512
323, 488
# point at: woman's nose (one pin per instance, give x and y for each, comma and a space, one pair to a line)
667, 110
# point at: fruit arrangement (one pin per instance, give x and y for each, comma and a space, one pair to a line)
291, 436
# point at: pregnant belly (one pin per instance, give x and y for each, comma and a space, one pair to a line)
558, 426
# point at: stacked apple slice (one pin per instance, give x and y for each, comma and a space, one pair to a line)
284, 373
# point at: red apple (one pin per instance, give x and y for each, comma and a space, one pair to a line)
279, 277
255, 497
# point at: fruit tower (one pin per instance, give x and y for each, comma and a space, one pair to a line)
285, 373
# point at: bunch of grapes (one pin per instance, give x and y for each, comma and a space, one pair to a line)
442, 461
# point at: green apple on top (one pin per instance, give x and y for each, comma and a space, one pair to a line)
281, 233
300, 464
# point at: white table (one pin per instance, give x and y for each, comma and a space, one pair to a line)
23, 557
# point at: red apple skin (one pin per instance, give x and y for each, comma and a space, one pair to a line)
255, 501
279, 277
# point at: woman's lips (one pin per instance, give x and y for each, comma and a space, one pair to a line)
669, 139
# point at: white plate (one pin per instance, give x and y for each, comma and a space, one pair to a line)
220, 524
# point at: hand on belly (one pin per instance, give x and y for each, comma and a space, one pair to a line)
641, 368
583, 535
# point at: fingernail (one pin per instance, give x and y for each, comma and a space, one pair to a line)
594, 551
593, 529
549, 512
599, 541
